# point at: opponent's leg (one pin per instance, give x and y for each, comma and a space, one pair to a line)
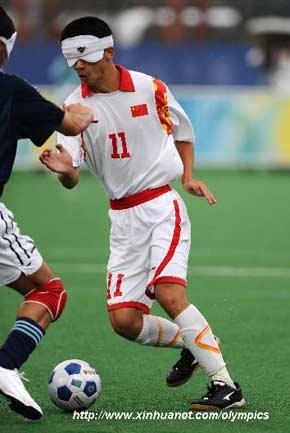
44, 300
199, 339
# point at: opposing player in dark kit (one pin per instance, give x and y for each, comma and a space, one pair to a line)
24, 113
140, 142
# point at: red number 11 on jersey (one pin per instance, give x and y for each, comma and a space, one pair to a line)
116, 145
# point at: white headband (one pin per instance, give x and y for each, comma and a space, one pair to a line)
86, 47
9, 43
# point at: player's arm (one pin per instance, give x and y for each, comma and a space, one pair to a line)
65, 159
191, 185
60, 161
186, 153
37, 118
76, 119
184, 140
70, 179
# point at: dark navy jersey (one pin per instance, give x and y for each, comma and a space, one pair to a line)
24, 113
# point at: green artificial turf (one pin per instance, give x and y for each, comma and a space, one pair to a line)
239, 277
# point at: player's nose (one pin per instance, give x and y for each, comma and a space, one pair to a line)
79, 65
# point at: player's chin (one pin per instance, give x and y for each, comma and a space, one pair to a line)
83, 79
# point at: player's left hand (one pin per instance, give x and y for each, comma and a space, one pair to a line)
199, 188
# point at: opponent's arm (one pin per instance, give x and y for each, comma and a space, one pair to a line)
61, 162
191, 185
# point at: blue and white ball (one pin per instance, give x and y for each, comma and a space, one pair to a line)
74, 385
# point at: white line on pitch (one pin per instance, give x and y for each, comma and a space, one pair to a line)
207, 271
88, 252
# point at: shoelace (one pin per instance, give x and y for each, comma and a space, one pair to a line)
22, 376
210, 390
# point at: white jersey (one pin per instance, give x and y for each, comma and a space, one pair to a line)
130, 146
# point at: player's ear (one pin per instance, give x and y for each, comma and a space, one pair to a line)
109, 53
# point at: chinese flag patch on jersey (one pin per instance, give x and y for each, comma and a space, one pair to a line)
139, 110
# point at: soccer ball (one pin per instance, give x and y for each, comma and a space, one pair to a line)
74, 385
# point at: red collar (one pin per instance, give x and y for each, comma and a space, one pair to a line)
126, 83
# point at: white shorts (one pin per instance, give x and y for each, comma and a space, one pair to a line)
18, 253
149, 244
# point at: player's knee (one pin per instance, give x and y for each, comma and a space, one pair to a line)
172, 298
51, 295
126, 323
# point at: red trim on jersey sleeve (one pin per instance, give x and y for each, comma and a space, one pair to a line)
161, 101
126, 83
173, 245
138, 198
130, 304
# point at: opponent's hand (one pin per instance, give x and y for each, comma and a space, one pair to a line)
76, 119
198, 188
81, 110
57, 161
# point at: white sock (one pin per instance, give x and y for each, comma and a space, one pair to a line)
223, 375
159, 332
199, 339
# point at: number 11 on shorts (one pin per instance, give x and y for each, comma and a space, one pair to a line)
117, 292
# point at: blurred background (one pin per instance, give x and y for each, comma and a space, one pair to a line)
227, 61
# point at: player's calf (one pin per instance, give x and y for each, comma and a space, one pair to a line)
194, 329
23, 339
126, 322
145, 329
159, 332
27, 333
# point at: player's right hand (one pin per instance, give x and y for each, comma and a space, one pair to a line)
59, 161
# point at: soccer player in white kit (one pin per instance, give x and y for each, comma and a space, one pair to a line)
141, 140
